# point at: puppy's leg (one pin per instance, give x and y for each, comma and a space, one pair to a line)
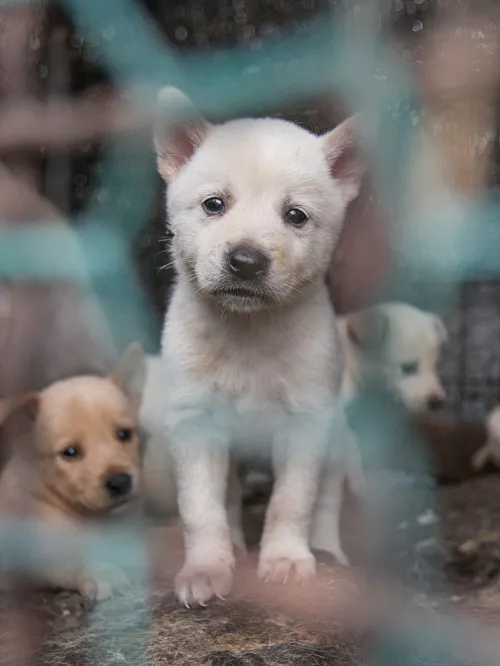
234, 502
298, 456
201, 456
325, 532
483, 456
355, 475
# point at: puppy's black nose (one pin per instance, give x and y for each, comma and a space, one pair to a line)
247, 263
434, 403
119, 484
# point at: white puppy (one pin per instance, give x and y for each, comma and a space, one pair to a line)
399, 346
490, 452
250, 342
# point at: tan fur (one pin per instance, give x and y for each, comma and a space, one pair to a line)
87, 413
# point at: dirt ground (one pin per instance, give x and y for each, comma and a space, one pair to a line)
441, 564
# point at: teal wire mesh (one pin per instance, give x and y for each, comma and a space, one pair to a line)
332, 53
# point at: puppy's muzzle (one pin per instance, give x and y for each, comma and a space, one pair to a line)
119, 485
435, 402
247, 263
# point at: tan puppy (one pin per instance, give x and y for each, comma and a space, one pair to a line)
75, 458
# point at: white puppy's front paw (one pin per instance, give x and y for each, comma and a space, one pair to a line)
204, 576
286, 559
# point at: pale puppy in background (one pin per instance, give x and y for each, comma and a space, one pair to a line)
159, 480
250, 342
399, 345
490, 452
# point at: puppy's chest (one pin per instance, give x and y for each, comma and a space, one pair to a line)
253, 378
239, 371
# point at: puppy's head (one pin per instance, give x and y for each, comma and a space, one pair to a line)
401, 344
255, 205
85, 445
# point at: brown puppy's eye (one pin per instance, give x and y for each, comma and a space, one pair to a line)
125, 434
72, 453
213, 206
296, 217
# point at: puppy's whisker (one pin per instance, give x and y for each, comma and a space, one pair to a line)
165, 267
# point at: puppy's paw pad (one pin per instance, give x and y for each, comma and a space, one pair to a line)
197, 583
282, 568
88, 588
105, 590
108, 582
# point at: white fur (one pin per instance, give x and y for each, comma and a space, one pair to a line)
408, 337
411, 337
491, 450
251, 369
158, 473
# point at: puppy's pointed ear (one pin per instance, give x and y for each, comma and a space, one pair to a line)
440, 329
130, 373
27, 404
178, 132
368, 329
342, 150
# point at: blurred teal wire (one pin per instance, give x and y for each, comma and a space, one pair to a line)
329, 55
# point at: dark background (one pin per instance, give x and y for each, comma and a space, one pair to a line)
64, 65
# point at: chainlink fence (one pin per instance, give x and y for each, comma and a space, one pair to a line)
84, 246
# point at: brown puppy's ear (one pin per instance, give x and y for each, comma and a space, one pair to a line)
130, 373
17, 420
342, 150
368, 329
178, 132
27, 404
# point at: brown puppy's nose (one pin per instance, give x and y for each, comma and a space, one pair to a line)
435, 402
247, 263
119, 485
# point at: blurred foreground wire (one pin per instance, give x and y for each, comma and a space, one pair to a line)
71, 293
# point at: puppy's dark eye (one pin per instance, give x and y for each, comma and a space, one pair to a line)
72, 453
125, 434
409, 368
296, 217
213, 206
